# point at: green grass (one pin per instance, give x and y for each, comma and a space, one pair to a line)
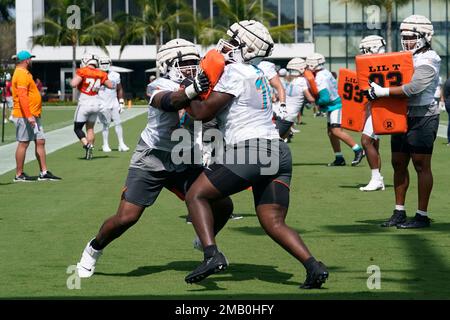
45, 226
53, 117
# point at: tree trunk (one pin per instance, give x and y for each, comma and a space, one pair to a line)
157, 44
74, 67
389, 30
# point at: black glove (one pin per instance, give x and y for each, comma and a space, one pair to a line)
200, 84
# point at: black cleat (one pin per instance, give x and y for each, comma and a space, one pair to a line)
398, 217
209, 266
188, 219
48, 177
415, 223
316, 278
24, 178
338, 162
359, 155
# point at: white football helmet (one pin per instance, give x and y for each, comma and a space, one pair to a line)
171, 56
296, 66
282, 72
89, 59
250, 42
315, 62
372, 44
416, 32
8, 76
104, 63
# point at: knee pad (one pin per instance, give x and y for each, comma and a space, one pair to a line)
78, 129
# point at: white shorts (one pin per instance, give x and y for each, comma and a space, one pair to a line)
368, 127
334, 118
25, 132
106, 115
292, 112
9, 102
87, 112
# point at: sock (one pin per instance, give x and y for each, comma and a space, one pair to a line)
43, 173
309, 264
356, 148
105, 134
96, 245
399, 207
119, 133
376, 174
422, 213
210, 251
338, 155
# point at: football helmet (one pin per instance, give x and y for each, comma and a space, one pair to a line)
178, 58
89, 59
315, 62
8, 76
104, 63
296, 66
249, 42
416, 32
372, 44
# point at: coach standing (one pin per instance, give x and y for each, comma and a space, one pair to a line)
27, 119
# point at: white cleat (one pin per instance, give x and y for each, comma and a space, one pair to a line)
295, 130
86, 266
197, 244
123, 148
106, 149
374, 185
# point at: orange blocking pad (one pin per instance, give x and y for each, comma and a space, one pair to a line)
389, 115
309, 76
212, 64
353, 101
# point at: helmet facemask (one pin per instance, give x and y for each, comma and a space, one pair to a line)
413, 41
231, 50
179, 70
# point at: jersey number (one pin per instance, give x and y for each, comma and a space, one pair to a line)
263, 86
394, 78
93, 85
353, 92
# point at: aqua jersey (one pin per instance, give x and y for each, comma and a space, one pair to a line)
326, 81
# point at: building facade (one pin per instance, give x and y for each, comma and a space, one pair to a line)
331, 27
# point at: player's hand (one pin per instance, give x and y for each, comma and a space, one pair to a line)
282, 111
121, 105
442, 105
32, 121
199, 85
376, 91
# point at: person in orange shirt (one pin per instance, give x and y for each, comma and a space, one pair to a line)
26, 114
88, 80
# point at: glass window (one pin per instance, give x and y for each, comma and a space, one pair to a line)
338, 63
338, 46
438, 11
422, 7
354, 14
404, 11
203, 7
118, 7
322, 45
288, 13
338, 12
101, 9
321, 11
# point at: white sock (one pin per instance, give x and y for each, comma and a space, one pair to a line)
399, 207
119, 133
105, 134
422, 213
356, 147
43, 173
376, 174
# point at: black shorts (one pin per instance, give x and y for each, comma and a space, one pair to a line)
419, 139
142, 187
283, 126
270, 182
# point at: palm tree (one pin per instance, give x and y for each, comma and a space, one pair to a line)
158, 16
388, 5
5, 7
56, 31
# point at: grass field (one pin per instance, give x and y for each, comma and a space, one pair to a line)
44, 227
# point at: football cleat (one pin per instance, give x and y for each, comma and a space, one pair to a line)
316, 278
374, 185
359, 155
86, 266
338, 162
89, 151
123, 148
398, 217
416, 223
106, 148
48, 177
209, 266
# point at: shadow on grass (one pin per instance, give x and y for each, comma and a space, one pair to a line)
373, 226
97, 158
244, 215
258, 231
310, 164
357, 186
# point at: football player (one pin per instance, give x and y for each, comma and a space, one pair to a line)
88, 79
241, 100
151, 167
423, 121
370, 141
112, 106
329, 99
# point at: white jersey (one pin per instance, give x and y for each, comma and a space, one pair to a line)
108, 97
268, 68
295, 97
249, 114
160, 124
325, 80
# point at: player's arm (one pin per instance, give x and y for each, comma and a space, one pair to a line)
423, 76
109, 84
309, 96
76, 81
275, 82
206, 110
